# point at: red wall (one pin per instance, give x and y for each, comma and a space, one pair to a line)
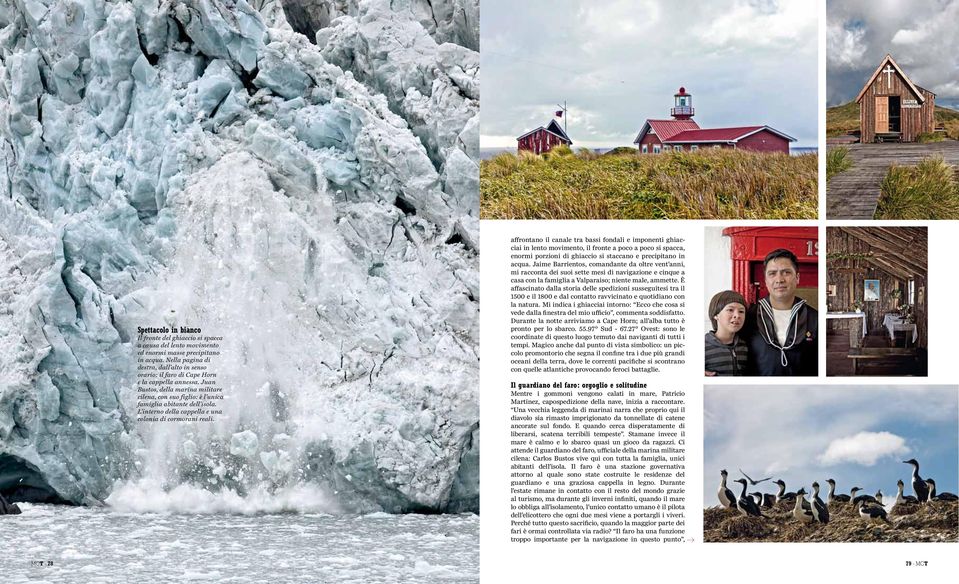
649, 140
539, 142
750, 245
764, 141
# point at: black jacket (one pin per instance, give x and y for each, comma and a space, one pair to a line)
798, 356
723, 359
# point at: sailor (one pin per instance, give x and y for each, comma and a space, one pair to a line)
726, 497
918, 485
782, 331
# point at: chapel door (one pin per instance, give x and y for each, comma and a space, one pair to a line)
882, 114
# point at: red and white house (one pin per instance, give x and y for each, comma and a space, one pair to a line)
543, 139
683, 133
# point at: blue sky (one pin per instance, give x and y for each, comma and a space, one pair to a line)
619, 62
919, 34
855, 435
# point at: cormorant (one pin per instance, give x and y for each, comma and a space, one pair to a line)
832, 496
819, 509
900, 498
782, 495
918, 485
751, 481
745, 504
764, 500
862, 498
726, 497
871, 512
941, 496
799, 511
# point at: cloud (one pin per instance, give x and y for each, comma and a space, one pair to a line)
845, 48
921, 36
864, 448
619, 62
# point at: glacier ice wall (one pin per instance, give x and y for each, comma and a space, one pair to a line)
314, 200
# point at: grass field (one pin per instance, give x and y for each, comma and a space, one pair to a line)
843, 119
837, 160
928, 190
709, 184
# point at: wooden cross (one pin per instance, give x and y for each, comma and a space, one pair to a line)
888, 71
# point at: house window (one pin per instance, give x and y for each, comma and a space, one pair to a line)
656, 149
912, 292
694, 147
716, 146
645, 149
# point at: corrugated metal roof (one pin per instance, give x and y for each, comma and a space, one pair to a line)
723, 134
713, 134
666, 129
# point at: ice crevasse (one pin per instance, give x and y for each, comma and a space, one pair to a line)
299, 178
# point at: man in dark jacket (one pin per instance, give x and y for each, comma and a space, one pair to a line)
782, 331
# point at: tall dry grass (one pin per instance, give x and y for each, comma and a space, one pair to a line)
708, 184
928, 190
837, 160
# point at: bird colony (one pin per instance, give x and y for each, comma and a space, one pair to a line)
744, 515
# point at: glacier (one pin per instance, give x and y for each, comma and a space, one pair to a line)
298, 177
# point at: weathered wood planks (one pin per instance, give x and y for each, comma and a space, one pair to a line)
854, 194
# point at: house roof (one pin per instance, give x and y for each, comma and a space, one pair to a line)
665, 129
553, 128
888, 59
721, 135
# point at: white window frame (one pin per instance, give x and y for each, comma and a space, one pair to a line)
645, 148
694, 147
656, 149
716, 146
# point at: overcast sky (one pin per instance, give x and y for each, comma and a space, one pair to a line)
921, 35
619, 62
855, 435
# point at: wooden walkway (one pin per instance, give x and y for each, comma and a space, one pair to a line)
854, 194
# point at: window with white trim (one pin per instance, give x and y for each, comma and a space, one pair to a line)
716, 146
694, 147
656, 149
645, 148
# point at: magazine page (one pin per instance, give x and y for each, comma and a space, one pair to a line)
240, 282
239, 291
761, 175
